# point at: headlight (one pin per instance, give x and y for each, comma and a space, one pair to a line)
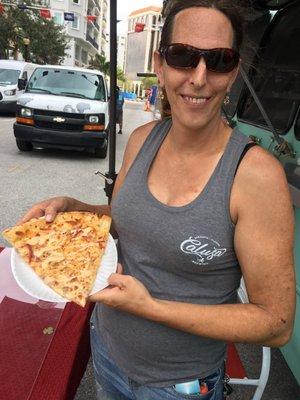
94, 119
26, 112
11, 92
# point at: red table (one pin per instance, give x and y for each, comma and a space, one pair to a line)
44, 347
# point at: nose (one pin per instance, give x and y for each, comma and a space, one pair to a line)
199, 74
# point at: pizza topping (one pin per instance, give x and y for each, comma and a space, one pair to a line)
66, 253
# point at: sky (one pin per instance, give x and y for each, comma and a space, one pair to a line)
125, 7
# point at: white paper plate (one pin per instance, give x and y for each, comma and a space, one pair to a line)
28, 280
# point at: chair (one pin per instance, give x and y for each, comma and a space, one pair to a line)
234, 367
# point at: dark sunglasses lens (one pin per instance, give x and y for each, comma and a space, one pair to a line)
221, 60
180, 57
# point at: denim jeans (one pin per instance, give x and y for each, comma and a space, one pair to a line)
113, 384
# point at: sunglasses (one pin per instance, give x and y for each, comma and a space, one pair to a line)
179, 55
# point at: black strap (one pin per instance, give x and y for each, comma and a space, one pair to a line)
246, 148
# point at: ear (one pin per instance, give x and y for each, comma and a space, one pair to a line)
158, 67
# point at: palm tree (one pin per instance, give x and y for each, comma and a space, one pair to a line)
99, 62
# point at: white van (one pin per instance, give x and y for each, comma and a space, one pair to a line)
63, 107
10, 72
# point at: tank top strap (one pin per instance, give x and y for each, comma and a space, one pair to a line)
155, 138
229, 163
231, 157
151, 145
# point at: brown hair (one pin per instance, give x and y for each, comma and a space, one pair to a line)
227, 7
172, 7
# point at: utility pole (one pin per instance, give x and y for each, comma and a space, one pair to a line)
111, 175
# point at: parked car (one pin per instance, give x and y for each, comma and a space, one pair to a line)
10, 72
63, 107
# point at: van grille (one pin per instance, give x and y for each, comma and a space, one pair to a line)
59, 126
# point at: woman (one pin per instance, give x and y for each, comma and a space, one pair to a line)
192, 215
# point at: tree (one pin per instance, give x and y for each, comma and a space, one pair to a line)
48, 42
99, 62
120, 75
148, 82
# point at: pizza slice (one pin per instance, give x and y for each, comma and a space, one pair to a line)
66, 253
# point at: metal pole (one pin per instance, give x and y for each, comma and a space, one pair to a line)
113, 100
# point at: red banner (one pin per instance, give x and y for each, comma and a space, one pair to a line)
44, 13
139, 27
91, 18
1, 8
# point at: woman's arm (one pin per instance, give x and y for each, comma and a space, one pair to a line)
263, 243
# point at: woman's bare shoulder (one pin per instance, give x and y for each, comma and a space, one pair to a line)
135, 142
261, 181
259, 165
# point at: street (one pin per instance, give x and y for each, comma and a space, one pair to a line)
29, 177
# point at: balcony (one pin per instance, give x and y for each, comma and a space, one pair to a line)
96, 25
97, 4
92, 41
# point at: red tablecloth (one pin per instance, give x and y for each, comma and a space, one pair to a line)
43, 350
39, 366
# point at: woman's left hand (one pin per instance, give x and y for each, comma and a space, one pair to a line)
125, 293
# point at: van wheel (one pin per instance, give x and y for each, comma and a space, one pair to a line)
100, 152
23, 145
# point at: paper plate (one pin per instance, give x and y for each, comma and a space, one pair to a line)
28, 280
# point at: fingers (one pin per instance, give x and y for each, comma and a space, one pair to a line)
103, 294
48, 208
34, 212
119, 269
50, 213
118, 280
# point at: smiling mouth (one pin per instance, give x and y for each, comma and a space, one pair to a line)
195, 100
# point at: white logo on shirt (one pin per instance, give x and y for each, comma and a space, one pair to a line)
204, 248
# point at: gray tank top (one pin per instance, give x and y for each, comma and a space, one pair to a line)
181, 253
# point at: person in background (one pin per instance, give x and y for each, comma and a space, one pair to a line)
148, 97
196, 206
120, 104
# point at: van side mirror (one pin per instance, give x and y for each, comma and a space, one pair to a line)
22, 83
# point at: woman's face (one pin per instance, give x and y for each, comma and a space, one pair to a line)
196, 95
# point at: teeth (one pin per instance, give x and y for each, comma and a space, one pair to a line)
195, 100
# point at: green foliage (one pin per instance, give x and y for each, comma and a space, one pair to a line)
148, 82
120, 75
99, 62
48, 42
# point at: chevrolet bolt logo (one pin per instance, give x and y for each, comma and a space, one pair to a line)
58, 119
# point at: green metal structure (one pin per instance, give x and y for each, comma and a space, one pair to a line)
265, 106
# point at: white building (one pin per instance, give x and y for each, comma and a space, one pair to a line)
121, 52
87, 38
143, 37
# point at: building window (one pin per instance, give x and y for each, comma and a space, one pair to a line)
58, 17
84, 56
77, 52
154, 21
75, 23
76, 2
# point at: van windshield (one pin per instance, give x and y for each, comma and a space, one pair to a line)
63, 82
9, 76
